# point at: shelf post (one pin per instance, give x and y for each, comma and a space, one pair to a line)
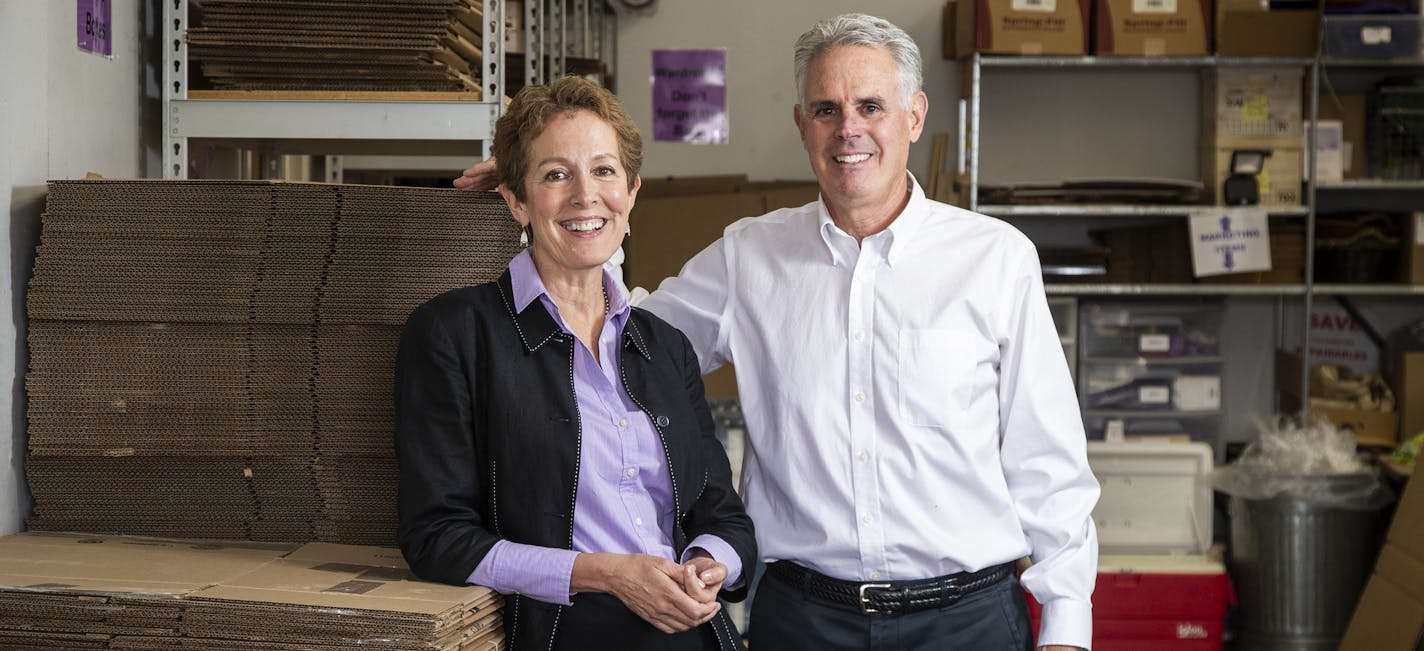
175, 87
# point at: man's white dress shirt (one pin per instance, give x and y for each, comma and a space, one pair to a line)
909, 410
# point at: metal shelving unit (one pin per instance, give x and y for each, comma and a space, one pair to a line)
1116, 210
577, 27
1124, 289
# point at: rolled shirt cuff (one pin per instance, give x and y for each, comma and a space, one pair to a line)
1067, 622
542, 573
722, 553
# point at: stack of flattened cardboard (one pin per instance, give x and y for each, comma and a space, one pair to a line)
339, 45
109, 592
215, 359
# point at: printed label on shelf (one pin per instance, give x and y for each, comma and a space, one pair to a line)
1154, 343
1375, 35
1045, 6
1154, 395
1197, 392
1154, 6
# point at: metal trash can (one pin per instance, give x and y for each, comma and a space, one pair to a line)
1299, 569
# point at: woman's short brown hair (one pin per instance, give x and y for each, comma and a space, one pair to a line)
532, 109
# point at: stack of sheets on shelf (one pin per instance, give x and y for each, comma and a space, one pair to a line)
215, 359
336, 45
67, 591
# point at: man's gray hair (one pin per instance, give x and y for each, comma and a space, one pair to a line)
860, 29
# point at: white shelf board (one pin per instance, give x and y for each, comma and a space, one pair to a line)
1367, 185
1156, 361
1113, 210
1098, 289
1346, 289
1012, 61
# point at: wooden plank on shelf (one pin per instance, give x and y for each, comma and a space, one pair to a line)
338, 95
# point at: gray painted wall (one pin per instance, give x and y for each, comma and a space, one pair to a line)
63, 112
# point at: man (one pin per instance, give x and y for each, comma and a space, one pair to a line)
911, 424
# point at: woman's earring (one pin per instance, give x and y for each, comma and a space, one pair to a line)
524, 237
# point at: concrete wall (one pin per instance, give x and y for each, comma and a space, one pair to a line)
63, 112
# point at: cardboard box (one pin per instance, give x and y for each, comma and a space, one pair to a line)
1287, 261
1390, 614
1408, 384
1279, 179
1369, 427
1413, 258
1349, 109
1034, 27
1252, 108
684, 216
1151, 28
1244, 28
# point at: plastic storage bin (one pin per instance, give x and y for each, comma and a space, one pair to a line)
1150, 331
1380, 36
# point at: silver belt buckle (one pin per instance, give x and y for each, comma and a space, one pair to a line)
865, 601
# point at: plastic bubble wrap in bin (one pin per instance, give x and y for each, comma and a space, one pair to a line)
1314, 462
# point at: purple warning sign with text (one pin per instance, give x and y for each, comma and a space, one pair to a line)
94, 27
690, 96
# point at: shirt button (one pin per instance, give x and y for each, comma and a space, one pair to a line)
866, 519
631, 472
623, 422
859, 397
863, 455
859, 336
638, 521
874, 575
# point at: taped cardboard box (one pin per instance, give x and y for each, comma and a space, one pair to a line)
1279, 180
1152, 27
1029, 27
1349, 109
1413, 258
1246, 28
1408, 384
1287, 260
1369, 427
1252, 107
1390, 614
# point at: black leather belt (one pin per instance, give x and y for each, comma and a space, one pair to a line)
892, 597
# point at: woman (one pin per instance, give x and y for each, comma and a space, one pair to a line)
553, 442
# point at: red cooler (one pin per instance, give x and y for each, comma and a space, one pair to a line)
1157, 587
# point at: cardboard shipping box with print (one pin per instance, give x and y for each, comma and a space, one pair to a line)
1152, 27
1390, 613
1030, 27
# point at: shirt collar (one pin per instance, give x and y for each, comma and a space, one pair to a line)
527, 287
900, 232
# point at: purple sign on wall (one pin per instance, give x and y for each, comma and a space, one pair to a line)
94, 27
690, 96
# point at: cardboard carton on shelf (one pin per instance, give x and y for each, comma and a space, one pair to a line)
1252, 107
1031, 27
1369, 427
1407, 380
1349, 109
1245, 28
1390, 613
1287, 261
1151, 28
1280, 178
1412, 262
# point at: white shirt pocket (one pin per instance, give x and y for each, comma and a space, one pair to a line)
936, 375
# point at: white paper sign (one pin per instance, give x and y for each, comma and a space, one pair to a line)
1375, 35
1230, 240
